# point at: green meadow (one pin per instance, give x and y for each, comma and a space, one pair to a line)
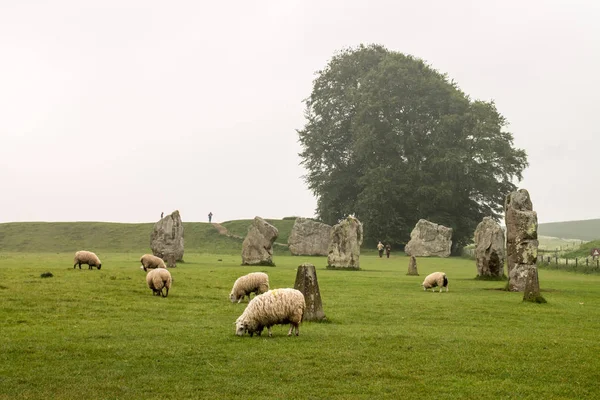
100, 334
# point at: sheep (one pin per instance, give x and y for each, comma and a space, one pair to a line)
254, 282
86, 257
150, 262
277, 306
159, 279
435, 279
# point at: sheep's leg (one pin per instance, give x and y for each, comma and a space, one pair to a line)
269, 330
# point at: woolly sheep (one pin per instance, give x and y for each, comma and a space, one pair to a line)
87, 257
159, 279
254, 282
150, 262
435, 279
277, 306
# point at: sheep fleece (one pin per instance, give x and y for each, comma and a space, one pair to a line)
435, 279
277, 306
150, 261
86, 257
157, 279
257, 282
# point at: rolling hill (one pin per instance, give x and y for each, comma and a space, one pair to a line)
587, 230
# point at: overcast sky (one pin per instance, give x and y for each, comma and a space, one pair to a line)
119, 110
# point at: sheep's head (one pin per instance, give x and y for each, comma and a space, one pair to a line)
241, 327
142, 267
99, 266
232, 297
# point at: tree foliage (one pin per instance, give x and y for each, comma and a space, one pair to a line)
391, 140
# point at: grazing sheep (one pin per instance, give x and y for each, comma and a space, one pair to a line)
277, 306
87, 257
159, 279
150, 262
435, 279
254, 282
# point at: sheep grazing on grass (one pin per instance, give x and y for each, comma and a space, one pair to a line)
254, 282
277, 306
435, 279
150, 262
86, 257
159, 280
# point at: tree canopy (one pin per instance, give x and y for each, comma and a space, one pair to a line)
391, 140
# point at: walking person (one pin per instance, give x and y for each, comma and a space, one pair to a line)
380, 249
209, 216
388, 250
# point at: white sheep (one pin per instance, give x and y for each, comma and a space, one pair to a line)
87, 257
277, 306
159, 279
254, 282
150, 262
435, 279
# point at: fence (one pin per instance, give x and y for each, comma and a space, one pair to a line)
553, 260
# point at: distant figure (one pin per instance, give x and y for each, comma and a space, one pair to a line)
210, 216
388, 250
161, 215
380, 249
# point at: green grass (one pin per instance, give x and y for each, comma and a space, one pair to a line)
583, 230
89, 334
584, 250
101, 237
240, 227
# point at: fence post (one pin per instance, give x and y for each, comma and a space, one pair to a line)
575, 262
556, 260
587, 262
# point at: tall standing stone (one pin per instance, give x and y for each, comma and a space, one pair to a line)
257, 248
412, 266
166, 240
489, 249
344, 244
521, 239
532, 286
429, 239
309, 238
306, 282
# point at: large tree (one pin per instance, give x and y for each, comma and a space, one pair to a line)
391, 140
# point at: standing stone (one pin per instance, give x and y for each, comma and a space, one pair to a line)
344, 244
167, 237
170, 261
306, 282
412, 266
521, 238
489, 249
309, 238
429, 239
532, 286
257, 248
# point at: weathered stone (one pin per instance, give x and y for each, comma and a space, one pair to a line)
257, 248
429, 239
489, 250
167, 237
412, 266
532, 286
344, 245
306, 282
309, 238
521, 239
170, 261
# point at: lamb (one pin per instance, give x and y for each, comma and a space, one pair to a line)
159, 280
87, 257
435, 279
254, 282
277, 306
150, 262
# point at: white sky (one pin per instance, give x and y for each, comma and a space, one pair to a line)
118, 110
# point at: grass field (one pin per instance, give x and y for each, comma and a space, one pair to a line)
587, 230
89, 334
